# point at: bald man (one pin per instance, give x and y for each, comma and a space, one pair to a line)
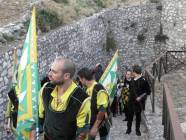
64, 107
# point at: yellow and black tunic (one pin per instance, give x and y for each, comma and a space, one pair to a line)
66, 119
125, 92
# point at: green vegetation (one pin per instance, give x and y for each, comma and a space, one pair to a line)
46, 20
155, 1
26, 24
62, 1
8, 38
160, 37
141, 38
100, 3
110, 43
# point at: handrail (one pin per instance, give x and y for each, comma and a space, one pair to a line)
150, 78
158, 68
172, 129
162, 65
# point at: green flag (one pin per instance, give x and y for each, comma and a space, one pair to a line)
109, 77
28, 84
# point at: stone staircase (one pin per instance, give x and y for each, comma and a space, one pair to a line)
154, 123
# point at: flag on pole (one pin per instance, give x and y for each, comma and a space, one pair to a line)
109, 77
28, 84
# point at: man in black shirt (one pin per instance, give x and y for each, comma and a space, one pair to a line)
138, 94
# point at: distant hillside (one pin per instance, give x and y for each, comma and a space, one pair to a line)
67, 11
15, 14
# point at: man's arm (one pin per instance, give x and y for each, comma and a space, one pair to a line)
83, 119
102, 104
41, 110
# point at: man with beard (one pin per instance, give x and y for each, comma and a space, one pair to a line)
99, 105
64, 107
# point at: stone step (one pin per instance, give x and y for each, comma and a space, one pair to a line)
119, 128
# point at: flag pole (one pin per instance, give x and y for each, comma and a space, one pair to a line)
35, 48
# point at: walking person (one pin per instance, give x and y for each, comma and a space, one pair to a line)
99, 105
138, 95
64, 107
97, 72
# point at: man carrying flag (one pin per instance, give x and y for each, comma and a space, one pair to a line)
28, 85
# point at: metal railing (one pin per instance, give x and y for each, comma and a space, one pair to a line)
172, 129
154, 70
163, 64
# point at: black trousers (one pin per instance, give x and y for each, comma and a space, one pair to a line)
126, 111
114, 106
130, 119
46, 137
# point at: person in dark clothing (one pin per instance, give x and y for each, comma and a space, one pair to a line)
138, 95
12, 110
78, 82
97, 72
115, 103
125, 93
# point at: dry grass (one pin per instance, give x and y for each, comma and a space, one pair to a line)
12, 10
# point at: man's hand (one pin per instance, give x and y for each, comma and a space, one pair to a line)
93, 131
82, 136
138, 99
8, 126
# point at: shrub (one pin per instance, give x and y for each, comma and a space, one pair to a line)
160, 37
62, 1
110, 43
9, 38
100, 3
133, 25
45, 21
155, 1
141, 38
159, 7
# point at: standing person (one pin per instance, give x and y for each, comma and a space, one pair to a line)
138, 95
12, 111
125, 92
97, 72
99, 105
114, 104
64, 107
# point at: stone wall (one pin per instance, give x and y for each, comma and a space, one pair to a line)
131, 28
174, 23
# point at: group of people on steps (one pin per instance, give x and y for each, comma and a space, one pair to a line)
80, 109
